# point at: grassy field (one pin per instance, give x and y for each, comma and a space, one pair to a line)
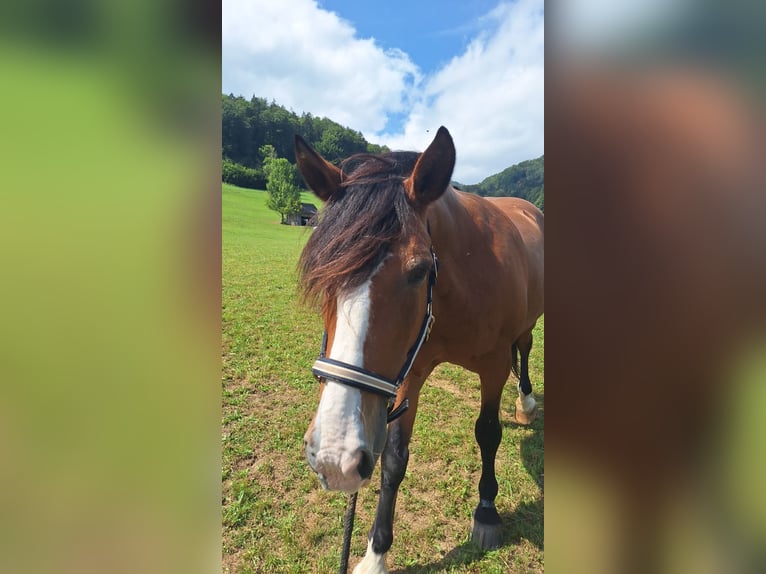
275, 516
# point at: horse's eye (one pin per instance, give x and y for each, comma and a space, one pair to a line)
416, 275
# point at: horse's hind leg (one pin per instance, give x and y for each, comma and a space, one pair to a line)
526, 410
487, 531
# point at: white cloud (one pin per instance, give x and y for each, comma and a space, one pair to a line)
310, 60
307, 59
490, 97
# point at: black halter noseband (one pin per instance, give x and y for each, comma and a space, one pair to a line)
365, 380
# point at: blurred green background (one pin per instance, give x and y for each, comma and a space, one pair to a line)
109, 288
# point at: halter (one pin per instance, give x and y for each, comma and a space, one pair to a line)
365, 380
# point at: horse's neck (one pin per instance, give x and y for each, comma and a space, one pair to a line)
462, 226
447, 216
448, 219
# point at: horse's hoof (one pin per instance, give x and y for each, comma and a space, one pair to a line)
525, 418
487, 528
487, 536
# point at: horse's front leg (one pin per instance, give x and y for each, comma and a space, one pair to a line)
393, 466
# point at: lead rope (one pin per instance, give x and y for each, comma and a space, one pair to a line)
348, 526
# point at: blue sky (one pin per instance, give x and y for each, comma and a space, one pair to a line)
431, 32
396, 71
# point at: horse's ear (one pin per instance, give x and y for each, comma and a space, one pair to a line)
433, 171
320, 175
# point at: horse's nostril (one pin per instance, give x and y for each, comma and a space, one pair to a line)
366, 464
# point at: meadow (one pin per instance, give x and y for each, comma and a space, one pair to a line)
275, 516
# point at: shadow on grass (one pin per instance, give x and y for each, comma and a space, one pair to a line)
524, 523
532, 447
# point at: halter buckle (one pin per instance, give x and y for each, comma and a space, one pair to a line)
431, 321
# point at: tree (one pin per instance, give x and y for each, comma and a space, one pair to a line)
284, 194
267, 152
242, 176
525, 180
249, 125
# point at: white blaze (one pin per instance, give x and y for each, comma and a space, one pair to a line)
338, 427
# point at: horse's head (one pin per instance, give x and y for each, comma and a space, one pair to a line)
370, 263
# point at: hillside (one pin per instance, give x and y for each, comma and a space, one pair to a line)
525, 180
247, 125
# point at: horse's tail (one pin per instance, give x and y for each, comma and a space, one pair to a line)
515, 360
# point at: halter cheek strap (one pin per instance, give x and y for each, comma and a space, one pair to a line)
365, 380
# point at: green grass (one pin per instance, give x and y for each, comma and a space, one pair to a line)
275, 516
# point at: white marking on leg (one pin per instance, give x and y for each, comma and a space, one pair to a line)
372, 563
528, 403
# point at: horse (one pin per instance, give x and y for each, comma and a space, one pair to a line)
411, 272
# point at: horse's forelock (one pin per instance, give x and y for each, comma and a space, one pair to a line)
356, 230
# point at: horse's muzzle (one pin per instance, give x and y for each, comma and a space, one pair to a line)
340, 470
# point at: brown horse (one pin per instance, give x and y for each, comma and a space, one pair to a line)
390, 221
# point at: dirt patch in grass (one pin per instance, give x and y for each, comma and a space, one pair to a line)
258, 421
232, 561
466, 397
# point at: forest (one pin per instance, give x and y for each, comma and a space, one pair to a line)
255, 130
523, 180
249, 125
